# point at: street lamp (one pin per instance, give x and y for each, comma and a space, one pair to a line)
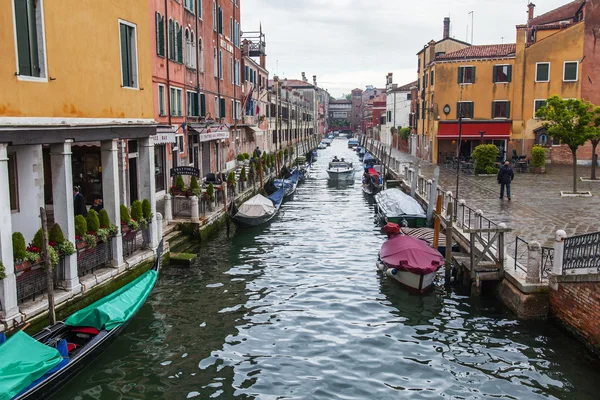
482, 133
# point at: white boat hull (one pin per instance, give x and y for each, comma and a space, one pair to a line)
418, 283
341, 175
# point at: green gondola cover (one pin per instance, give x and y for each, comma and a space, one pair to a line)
116, 308
22, 361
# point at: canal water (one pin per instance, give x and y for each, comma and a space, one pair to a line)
297, 310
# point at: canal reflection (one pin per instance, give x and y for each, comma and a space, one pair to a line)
297, 310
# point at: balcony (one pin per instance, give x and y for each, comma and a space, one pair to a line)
253, 44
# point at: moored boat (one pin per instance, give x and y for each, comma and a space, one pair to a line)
340, 170
289, 184
361, 153
258, 210
393, 205
327, 141
368, 160
36, 367
372, 181
352, 143
409, 261
322, 146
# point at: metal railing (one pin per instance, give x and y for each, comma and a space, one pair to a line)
547, 261
582, 251
132, 242
522, 255
32, 281
89, 260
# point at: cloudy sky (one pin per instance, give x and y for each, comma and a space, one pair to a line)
353, 43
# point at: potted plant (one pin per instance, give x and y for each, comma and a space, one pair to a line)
538, 160
93, 226
240, 159
231, 181
251, 173
210, 193
485, 158
246, 159
19, 251
57, 240
194, 188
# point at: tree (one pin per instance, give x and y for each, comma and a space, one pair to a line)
568, 120
348, 97
594, 136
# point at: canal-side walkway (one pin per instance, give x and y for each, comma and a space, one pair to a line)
536, 210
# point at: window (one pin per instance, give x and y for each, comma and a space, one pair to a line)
199, 9
408, 96
202, 105
13, 182
231, 28
159, 167
129, 76
214, 16
236, 34
570, 71
237, 72
215, 63
233, 109
220, 21
246, 72
431, 78
201, 52
175, 103
425, 80
179, 47
231, 72
222, 108
238, 110
171, 39
389, 116
189, 5
31, 61
502, 73
464, 107
466, 74
192, 104
221, 64
217, 107
542, 72
500, 109
537, 104
161, 100
160, 35
190, 49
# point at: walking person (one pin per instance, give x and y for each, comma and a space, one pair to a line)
505, 177
79, 202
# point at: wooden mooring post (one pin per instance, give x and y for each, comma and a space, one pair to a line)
449, 232
48, 266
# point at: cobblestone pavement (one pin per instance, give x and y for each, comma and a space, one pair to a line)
537, 210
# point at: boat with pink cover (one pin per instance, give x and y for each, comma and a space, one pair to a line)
410, 261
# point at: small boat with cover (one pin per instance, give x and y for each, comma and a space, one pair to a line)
361, 153
340, 170
393, 205
36, 367
258, 210
368, 160
352, 143
408, 260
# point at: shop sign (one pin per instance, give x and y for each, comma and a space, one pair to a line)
205, 137
162, 138
191, 171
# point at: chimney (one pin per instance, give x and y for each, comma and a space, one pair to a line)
446, 28
315, 80
303, 77
530, 8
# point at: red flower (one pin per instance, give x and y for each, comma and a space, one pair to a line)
52, 244
33, 249
77, 237
92, 233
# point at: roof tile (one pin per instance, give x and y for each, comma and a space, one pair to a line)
483, 51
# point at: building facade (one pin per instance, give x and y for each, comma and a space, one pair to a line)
63, 124
397, 107
339, 115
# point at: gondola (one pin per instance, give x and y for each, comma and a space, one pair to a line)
36, 367
258, 210
372, 181
288, 184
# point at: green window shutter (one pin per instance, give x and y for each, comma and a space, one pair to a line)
170, 39
494, 107
471, 110
162, 36
180, 45
199, 12
157, 33
460, 74
473, 78
222, 108
33, 44
203, 105
508, 109
510, 73
494, 73
458, 110
220, 20
124, 56
22, 37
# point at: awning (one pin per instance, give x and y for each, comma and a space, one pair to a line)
256, 130
211, 132
499, 130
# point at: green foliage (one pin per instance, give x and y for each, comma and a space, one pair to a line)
66, 248
19, 246
491, 170
53, 255
102, 235
280, 155
210, 191
133, 225
104, 220
56, 234
254, 154
240, 157
2, 271
81, 225
404, 133
90, 240
231, 179
291, 150
538, 156
286, 152
243, 174
136, 210
93, 222
485, 157
194, 183
32, 257
246, 156
125, 217
38, 239
113, 229
147, 208
179, 183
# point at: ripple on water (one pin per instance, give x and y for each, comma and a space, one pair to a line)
296, 310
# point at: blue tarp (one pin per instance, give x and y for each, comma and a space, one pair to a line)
277, 197
295, 176
368, 157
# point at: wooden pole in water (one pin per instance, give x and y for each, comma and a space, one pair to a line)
48, 266
449, 230
437, 222
260, 172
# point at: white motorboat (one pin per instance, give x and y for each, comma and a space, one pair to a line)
322, 145
327, 141
340, 170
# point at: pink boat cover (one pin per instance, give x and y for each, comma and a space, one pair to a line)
406, 253
372, 172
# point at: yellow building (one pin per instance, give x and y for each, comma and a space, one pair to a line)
76, 109
499, 87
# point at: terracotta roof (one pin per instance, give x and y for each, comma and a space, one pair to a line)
405, 88
562, 13
483, 51
291, 83
443, 40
